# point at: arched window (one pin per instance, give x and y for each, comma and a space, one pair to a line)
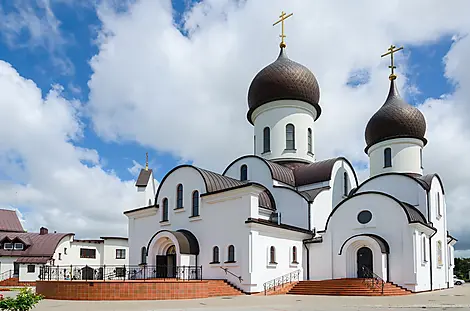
345, 184
294, 254
179, 196
244, 172
387, 157
290, 137
143, 256
438, 205
272, 254
195, 205
165, 210
421, 157
231, 254
309, 141
215, 254
266, 139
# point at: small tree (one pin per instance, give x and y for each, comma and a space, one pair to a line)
24, 301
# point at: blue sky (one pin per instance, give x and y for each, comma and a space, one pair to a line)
79, 26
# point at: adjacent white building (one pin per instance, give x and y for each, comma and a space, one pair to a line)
23, 254
282, 210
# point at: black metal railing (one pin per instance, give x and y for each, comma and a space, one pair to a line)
227, 271
109, 272
372, 280
6, 275
281, 281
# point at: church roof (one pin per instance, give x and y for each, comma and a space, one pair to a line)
9, 221
414, 215
143, 179
311, 194
216, 182
395, 119
283, 79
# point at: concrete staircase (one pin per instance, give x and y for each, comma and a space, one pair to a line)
219, 288
346, 287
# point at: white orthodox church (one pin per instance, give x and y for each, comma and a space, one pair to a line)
282, 210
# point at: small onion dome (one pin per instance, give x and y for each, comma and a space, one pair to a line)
395, 119
283, 79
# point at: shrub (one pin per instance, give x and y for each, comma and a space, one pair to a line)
24, 301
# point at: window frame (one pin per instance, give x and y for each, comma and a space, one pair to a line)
231, 254
294, 255
18, 248
424, 253
345, 184
266, 139
33, 270
309, 141
290, 141
243, 172
165, 211
179, 196
8, 248
387, 157
83, 251
120, 252
195, 204
272, 255
215, 254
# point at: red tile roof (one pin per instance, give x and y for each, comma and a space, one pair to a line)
9, 221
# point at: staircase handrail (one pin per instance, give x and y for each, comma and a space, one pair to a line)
5, 275
373, 280
281, 280
231, 273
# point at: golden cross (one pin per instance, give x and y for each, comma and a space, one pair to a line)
146, 161
392, 49
281, 20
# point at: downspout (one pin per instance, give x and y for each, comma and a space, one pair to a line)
430, 244
308, 260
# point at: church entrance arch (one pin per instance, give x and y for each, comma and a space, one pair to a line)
169, 250
365, 262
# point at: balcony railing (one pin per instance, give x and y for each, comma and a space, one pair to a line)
109, 273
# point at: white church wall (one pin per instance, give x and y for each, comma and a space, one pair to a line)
389, 221
276, 115
263, 237
321, 208
258, 171
292, 206
439, 257
320, 255
404, 188
146, 194
421, 261
141, 226
337, 181
406, 156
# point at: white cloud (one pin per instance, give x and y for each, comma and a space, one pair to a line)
46, 177
187, 96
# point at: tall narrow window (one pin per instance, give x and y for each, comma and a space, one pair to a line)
387, 157
309, 140
345, 183
143, 256
439, 253
438, 204
179, 196
243, 172
421, 157
423, 248
294, 254
195, 205
266, 139
272, 254
290, 137
231, 254
165, 210
215, 254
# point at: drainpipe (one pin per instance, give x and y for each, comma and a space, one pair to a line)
308, 260
430, 244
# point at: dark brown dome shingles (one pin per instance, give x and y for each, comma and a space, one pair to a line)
395, 119
283, 79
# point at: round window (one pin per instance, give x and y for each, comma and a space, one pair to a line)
364, 217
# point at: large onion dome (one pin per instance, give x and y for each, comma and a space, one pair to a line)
283, 79
395, 119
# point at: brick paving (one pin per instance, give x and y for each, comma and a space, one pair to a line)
450, 300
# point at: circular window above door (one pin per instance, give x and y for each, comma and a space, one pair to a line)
364, 217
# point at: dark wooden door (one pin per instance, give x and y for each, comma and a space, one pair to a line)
161, 266
171, 262
364, 262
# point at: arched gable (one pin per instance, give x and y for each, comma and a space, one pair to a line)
428, 179
187, 242
384, 247
412, 213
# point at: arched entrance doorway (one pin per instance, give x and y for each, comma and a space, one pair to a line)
364, 261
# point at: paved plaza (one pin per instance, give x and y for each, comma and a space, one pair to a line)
451, 299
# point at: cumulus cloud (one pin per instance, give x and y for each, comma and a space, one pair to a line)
52, 181
187, 94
